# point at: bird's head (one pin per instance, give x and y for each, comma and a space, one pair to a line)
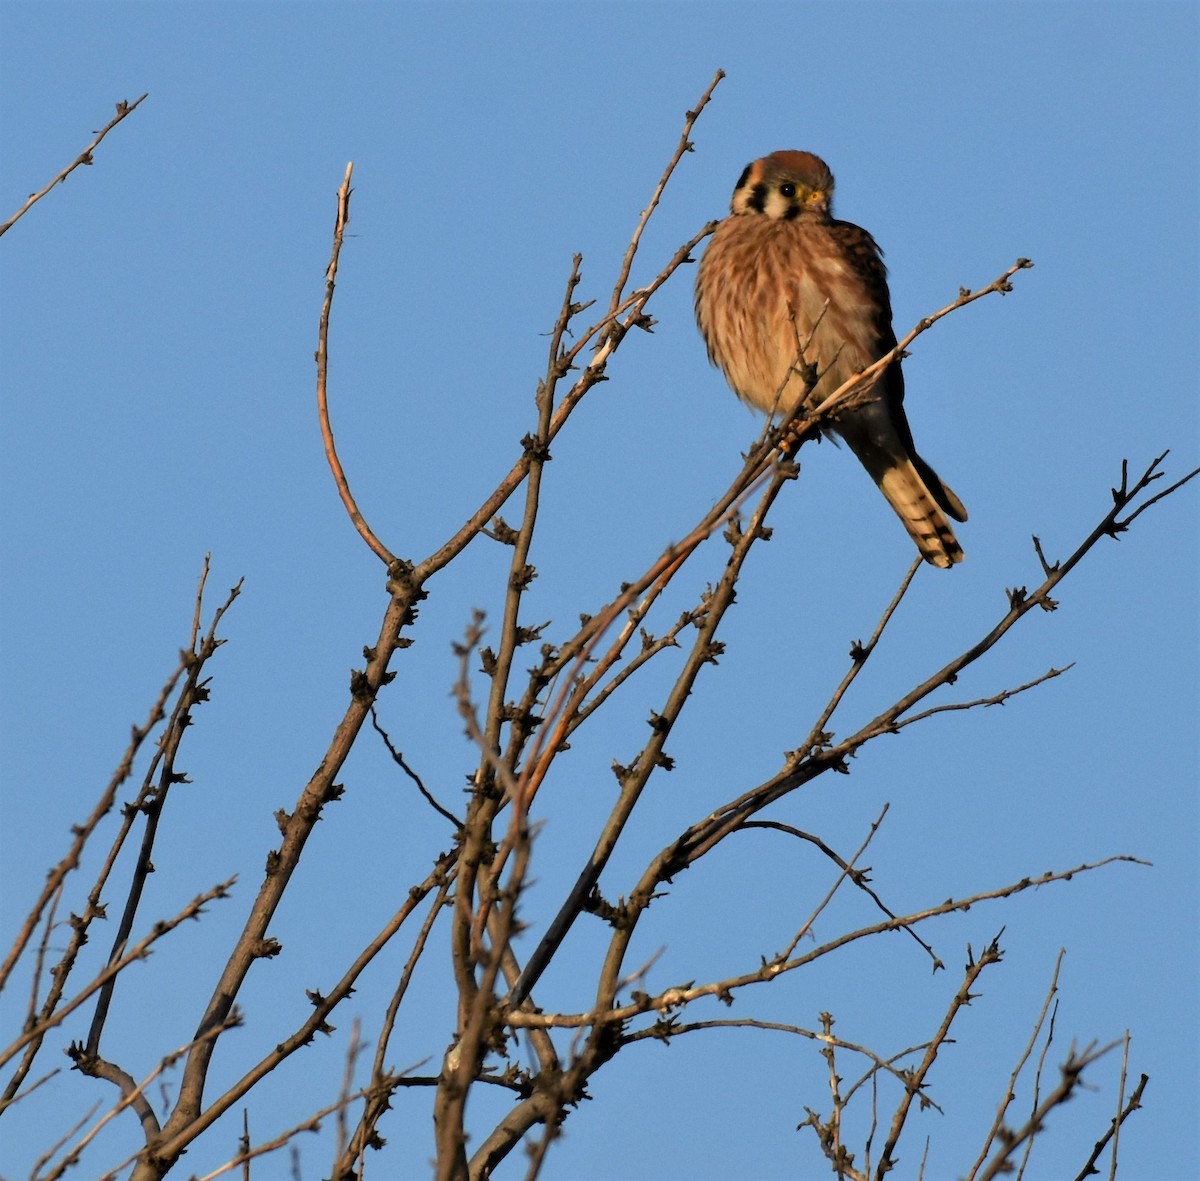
785, 185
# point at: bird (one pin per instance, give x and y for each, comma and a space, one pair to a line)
791, 303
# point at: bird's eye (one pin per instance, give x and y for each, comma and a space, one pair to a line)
788, 189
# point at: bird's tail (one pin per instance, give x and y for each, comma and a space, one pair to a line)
919, 503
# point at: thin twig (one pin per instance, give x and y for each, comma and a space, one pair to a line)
857, 876
53, 1150
859, 655
191, 663
706, 834
1010, 1091
1124, 1112
153, 798
312, 1124
1159, 496
666, 1030
123, 109
537, 1152
139, 951
916, 1080
341, 1138
176, 1138
82, 832
331, 455
805, 420
675, 997
975, 703
846, 870
399, 760
379, 1092
631, 312
684, 145
1038, 1074
635, 777
1116, 1124
1071, 1073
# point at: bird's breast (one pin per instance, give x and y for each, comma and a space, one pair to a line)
768, 291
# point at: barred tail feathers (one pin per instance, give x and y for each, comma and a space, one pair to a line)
914, 504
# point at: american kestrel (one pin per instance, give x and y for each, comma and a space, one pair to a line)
782, 274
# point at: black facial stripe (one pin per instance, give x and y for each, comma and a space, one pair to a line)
758, 198
790, 212
743, 178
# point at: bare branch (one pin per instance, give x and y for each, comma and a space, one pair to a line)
675, 997
56, 1147
806, 764
379, 1092
857, 876
82, 832
139, 951
630, 313
634, 777
995, 699
1124, 1111
399, 760
1011, 1089
186, 1121
335, 464
153, 798
846, 871
175, 1138
1159, 496
481, 889
191, 665
916, 1080
859, 655
132, 1095
1071, 1073
85, 157
312, 1124
685, 145
806, 419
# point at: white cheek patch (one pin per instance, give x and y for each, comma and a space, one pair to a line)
777, 206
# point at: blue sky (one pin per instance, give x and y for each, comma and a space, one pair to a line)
157, 328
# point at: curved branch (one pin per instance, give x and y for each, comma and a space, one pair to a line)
335, 465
